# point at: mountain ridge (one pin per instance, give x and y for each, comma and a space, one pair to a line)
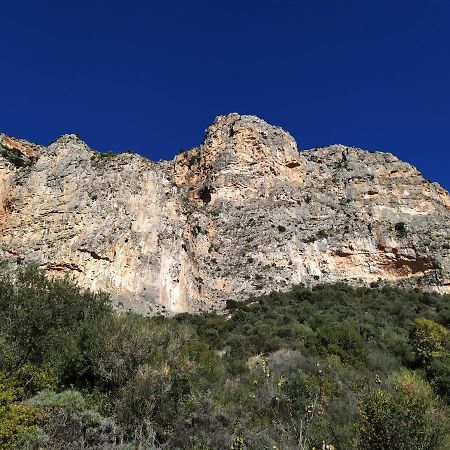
243, 213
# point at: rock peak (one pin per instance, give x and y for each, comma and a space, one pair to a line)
68, 138
228, 125
245, 147
69, 142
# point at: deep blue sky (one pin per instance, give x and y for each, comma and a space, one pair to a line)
151, 75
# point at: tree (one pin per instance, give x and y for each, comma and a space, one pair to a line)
427, 339
47, 321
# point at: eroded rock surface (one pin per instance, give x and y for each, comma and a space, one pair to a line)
243, 213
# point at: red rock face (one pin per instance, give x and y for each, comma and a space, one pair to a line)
243, 213
23, 147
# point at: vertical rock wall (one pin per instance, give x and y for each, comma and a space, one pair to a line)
243, 213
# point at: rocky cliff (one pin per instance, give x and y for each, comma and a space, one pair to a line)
243, 213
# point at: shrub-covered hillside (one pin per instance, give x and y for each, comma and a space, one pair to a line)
332, 367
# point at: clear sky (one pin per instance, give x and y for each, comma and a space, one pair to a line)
151, 75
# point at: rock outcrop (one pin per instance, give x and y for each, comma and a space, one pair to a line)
243, 213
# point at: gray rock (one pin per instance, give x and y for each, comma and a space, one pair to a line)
243, 213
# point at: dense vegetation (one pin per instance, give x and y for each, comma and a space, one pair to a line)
332, 367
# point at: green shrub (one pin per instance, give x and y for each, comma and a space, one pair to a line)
17, 420
401, 230
405, 416
71, 423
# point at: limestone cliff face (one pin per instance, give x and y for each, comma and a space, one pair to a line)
243, 213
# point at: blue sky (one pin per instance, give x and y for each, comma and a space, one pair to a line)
150, 76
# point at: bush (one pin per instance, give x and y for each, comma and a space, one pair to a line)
405, 416
342, 340
438, 373
70, 423
16, 420
401, 230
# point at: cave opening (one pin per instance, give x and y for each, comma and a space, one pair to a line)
205, 195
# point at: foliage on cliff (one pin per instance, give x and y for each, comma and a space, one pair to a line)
330, 367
